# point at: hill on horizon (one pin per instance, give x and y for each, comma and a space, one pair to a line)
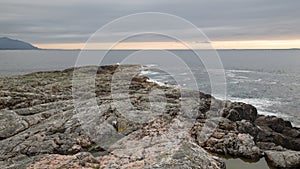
12, 44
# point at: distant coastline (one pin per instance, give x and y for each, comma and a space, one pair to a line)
13, 44
154, 49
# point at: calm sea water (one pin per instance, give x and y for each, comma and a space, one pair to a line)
268, 79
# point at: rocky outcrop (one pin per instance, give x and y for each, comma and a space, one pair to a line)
246, 134
284, 159
276, 130
253, 136
41, 128
54, 120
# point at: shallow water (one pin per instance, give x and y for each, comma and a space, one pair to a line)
238, 163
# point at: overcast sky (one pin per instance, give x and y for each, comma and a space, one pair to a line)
58, 21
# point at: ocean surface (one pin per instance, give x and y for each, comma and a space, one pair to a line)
267, 79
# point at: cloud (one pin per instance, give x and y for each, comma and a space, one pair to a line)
75, 20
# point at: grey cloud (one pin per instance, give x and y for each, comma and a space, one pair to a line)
75, 20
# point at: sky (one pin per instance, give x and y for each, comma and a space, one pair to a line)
227, 24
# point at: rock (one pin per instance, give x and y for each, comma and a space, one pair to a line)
276, 130
269, 146
292, 132
11, 124
238, 145
78, 161
275, 123
131, 123
245, 126
283, 159
236, 111
163, 153
46, 132
226, 124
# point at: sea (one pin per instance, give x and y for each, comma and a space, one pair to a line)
267, 79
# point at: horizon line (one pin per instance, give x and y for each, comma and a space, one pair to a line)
218, 45
154, 49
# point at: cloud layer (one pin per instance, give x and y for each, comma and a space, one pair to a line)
73, 21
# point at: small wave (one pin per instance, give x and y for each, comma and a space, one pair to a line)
215, 71
157, 82
151, 65
148, 72
241, 71
296, 84
268, 113
162, 83
238, 81
182, 74
234, 82
280, 115
242, 77
257, 102
263, 104
232, 75
291, 84
271, 83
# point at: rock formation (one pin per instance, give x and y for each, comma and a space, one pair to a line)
54, 120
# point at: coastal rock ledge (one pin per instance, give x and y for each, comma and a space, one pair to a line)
45, 124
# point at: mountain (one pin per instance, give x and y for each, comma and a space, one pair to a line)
11, 44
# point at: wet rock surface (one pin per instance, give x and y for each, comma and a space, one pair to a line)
284, 159
63, 119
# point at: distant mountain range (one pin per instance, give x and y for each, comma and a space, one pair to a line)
11, 44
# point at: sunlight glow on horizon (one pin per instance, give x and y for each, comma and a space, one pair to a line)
251, 44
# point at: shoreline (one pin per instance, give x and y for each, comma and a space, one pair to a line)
35, 102
147, 72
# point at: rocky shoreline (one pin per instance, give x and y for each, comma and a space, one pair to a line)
40, 126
